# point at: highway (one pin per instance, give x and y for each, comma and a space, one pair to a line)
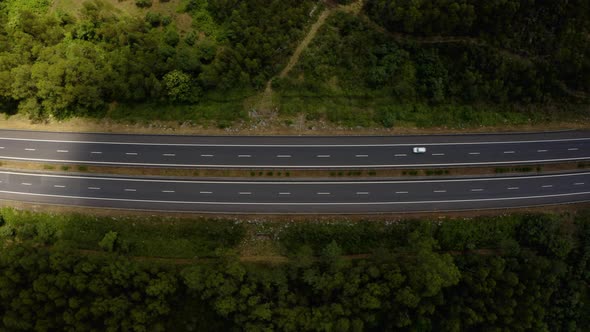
293, 151
295, 196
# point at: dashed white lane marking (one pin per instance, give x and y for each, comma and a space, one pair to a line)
474, 153
438, 154
283, 156
285, 193
400, 155
93, 188
245, 193
205, 192
169, 155
513, 188
131, 153
95, 152
573, 149
168, 191
579, 184
440, 191
323, 193
362, 193
547, 186
62, 151
509, 152
362, 155
206, 155
477, 190
59, 186
244, 155
323, 156
132, 190
26, 184
401, 192
1, 148
28, 149
540, 151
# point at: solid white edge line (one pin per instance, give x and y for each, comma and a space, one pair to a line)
294, 182
300, 203
294, 145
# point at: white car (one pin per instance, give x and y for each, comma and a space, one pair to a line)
419, 149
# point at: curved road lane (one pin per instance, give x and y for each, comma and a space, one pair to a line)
295, 196
294, 152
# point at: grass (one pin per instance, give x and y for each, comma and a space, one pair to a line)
259, 239
373, 109
152, 236
214, 111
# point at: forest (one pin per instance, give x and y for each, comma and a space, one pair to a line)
425, 63
520, 272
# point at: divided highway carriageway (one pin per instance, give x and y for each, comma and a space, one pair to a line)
294, 152
295, 196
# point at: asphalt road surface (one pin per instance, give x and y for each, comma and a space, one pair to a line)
295, 196
294, 152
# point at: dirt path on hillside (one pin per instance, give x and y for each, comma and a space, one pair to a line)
264, 107
305, 42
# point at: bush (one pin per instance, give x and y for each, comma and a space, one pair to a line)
108, 241
143, 3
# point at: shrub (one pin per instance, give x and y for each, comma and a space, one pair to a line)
143, 3
108, 241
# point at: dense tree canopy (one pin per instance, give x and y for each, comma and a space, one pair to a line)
58, 64
411, 282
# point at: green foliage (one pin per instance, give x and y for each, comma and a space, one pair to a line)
178, 85
545, 233
143, 3
410, 285
75, 64
133, 236
108, 241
